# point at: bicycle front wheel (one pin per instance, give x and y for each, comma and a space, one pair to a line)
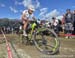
47, 42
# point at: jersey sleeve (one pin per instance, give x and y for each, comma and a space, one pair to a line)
25, 12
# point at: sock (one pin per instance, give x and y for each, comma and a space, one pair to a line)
24, 32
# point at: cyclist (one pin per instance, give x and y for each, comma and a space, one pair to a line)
27, 15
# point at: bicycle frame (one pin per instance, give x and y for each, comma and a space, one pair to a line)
33, 25
39, 29
32, 28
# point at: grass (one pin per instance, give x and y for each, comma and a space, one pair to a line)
3, 50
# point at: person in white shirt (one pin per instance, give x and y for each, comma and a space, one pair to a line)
27, 15
55, 23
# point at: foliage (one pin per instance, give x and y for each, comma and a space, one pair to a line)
5, 22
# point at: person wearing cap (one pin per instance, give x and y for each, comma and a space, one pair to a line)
55, 21
27, 15
55, 24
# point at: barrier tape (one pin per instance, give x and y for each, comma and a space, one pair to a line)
9, 51
8, 46
69, 35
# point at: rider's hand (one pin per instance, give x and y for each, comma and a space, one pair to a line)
33, 18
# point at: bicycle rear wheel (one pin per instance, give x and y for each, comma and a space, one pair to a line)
47, 43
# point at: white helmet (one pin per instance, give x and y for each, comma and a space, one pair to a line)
31, 7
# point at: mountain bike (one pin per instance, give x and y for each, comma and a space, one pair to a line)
45, 39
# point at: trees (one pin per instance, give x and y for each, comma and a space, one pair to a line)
9, 22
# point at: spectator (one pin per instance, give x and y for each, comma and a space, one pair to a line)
59, 25
74, 21
63, 19
63, 22
46, 24
7, 30
68, 22
55, 23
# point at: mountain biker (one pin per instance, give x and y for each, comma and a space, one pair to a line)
27, 15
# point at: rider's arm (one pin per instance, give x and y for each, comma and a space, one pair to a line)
24, 17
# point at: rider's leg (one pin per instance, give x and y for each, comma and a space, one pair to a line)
24, 28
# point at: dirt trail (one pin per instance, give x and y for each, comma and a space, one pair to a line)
67, 49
